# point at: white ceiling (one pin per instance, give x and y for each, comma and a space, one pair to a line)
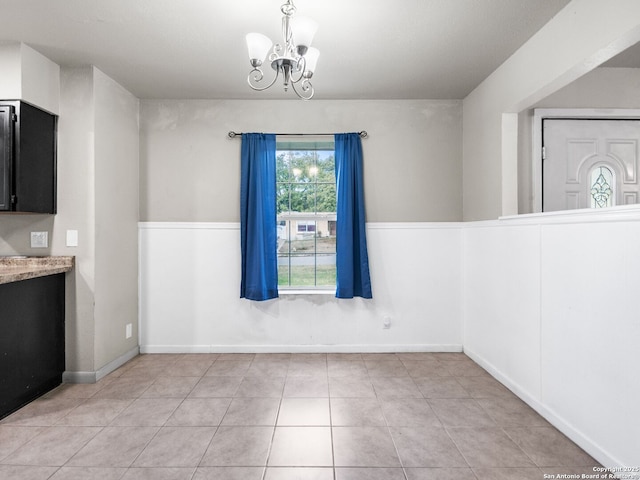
432, 49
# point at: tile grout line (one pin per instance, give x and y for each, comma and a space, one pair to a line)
446, 430
219, 423
386, 422
159, 428
167, 420
273, 433
108, 426
333, 449
520, 448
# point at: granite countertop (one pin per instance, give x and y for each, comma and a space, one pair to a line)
16, 268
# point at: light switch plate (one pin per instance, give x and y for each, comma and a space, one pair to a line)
39, 239
72, 238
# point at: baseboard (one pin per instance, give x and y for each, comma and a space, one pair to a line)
93, 377
584, 442
78, 377
522, 393
299, 348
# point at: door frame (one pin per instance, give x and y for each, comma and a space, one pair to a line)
540, 114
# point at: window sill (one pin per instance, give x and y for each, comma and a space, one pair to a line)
302, 291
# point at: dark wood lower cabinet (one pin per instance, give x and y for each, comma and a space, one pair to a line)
31, 339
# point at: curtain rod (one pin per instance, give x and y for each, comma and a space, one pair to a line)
363, 134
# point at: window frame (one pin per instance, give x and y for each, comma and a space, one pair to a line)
305, 145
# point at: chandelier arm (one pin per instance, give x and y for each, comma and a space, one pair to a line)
253, 75
277, 52
307, 89
301, 66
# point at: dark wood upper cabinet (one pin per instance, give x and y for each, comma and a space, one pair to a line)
27, 158
6, 155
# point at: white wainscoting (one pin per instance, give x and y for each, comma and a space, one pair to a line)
548, 303
190, 283
552, 309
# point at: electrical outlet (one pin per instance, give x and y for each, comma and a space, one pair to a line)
39, 239
129, 330
386, 322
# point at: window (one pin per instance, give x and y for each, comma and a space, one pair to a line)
306, 209
307, 191
306, 227
602, 184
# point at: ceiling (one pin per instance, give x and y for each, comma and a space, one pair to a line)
373, 49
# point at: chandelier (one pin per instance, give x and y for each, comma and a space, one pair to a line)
294, 59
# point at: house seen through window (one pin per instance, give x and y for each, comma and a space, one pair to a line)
306, 209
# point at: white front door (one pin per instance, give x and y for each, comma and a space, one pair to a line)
589, 163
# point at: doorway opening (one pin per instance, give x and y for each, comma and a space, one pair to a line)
585, 159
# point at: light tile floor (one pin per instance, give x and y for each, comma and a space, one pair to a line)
420, 416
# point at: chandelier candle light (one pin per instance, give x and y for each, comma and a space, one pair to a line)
295, 59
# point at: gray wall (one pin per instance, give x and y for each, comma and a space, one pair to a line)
97, 196
76, 190
190, 170
116, 218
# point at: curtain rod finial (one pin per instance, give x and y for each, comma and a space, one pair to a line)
232, 134
363, 134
